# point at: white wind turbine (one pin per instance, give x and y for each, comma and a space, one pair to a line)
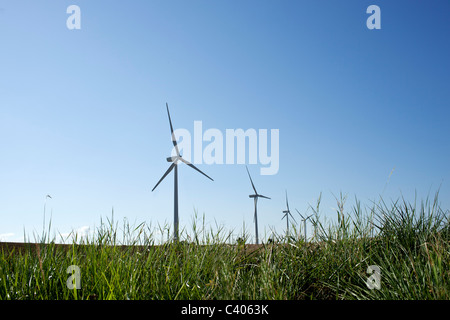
287, 213
255, 197
174, 165
304, 221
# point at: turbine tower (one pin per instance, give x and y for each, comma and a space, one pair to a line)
304, 221
255, 197
287, 213
174, 165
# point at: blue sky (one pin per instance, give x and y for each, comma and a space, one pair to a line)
83, 119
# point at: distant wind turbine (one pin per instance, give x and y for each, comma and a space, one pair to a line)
287, 213
174, 164
255, 197
45, 204
304, 221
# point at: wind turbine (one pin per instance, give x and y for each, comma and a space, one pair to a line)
174, 164
287, 213
255, 197
304, 221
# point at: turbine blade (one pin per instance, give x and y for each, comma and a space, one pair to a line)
194, 167
287, 203
174, 140
251, 180
260, 195
292, 217
300, 214
165, 174
309, 216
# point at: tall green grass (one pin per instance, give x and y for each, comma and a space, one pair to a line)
409, 243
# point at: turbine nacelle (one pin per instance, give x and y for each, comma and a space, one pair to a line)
173, 159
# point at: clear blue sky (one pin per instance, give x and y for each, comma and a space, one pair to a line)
83, 119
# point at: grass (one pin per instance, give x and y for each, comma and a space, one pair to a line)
409, 243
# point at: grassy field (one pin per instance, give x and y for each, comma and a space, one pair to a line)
408, 242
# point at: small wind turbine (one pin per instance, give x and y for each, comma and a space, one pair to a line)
51, 213
255, 197
174, 164
45, 204
287, 213
304, 221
